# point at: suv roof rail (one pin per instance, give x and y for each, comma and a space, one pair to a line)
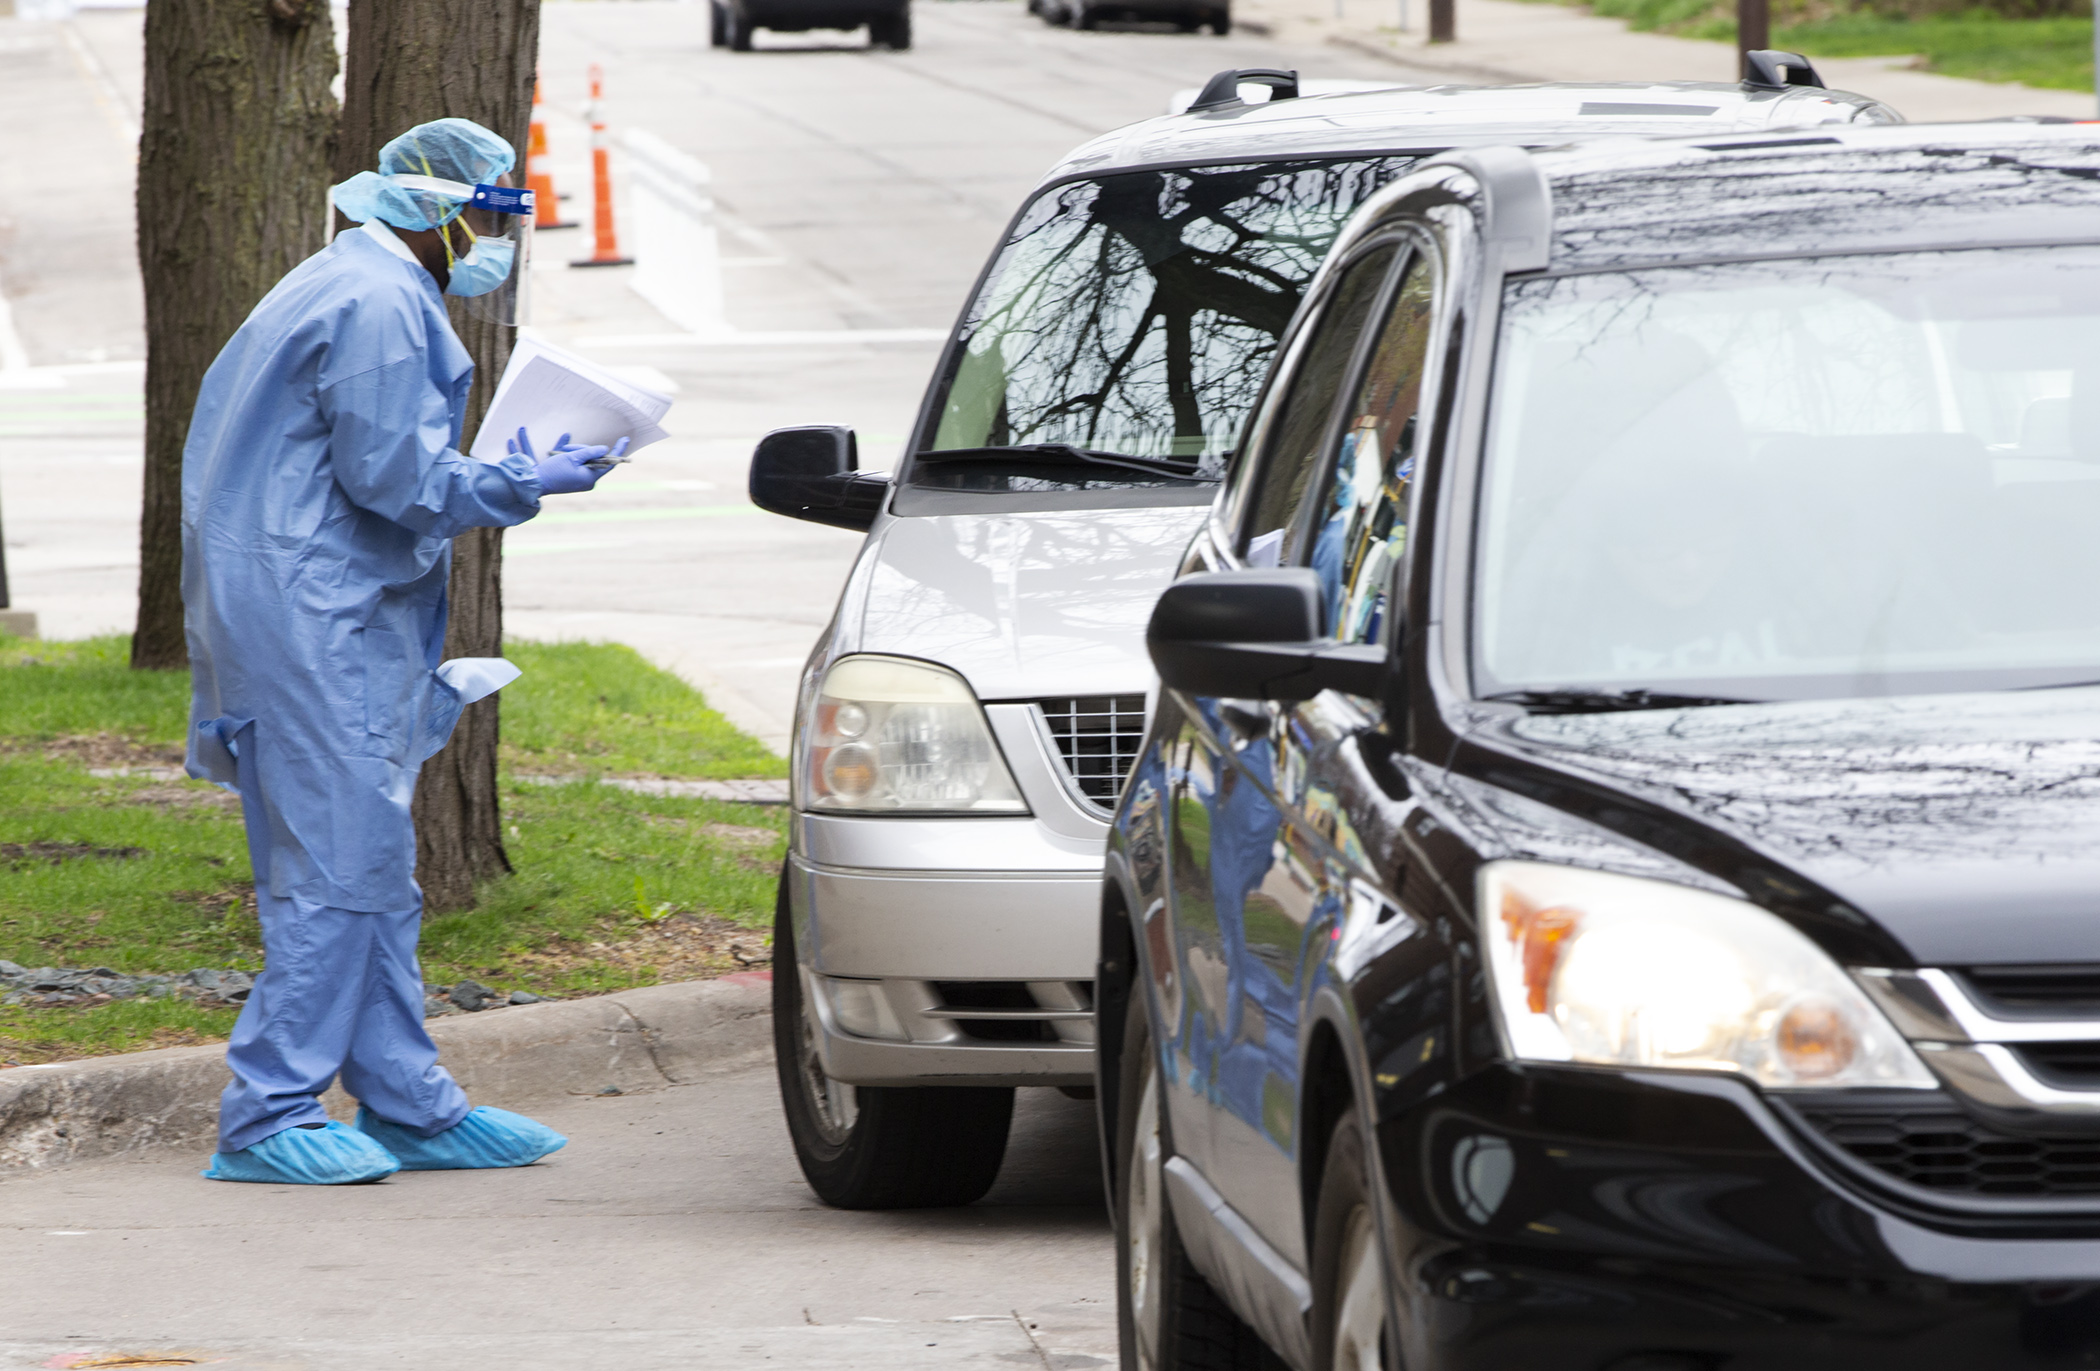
1516, 212
1770, 69
1224, 88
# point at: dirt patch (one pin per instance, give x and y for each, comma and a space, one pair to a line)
54, 853
733, 835
678, 948
98, 750
182, 795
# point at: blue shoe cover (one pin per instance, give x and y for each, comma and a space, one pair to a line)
485, 1138
334, 1155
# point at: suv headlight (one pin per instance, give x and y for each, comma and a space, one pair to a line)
1593, 967
893, 736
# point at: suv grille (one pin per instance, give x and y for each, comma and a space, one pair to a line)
1934, 1144
2067, 1066
2023, 991
1098, 736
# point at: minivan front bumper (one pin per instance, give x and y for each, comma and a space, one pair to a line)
954, 951
1549, 1218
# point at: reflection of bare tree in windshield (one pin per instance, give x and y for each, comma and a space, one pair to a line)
1137, 314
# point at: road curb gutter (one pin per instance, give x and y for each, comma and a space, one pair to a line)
635, 1040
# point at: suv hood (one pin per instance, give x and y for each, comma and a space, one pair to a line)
1968, 826
1027, 605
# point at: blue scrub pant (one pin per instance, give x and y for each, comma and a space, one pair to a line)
341, 993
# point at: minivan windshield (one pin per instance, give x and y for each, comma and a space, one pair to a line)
1846, 476
1134, 316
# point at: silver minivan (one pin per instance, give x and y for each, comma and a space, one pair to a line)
966, 721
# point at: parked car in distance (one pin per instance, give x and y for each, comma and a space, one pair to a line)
967, 719
734, 21
1187, 15
1611, 877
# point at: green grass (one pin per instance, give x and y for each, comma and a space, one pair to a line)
60, 689
601, 709
2054, 53
126, 1026
611, 888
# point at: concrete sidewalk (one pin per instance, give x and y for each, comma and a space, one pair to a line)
1511, 40
673, 1232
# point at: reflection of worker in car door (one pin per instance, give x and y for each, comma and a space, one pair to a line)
1365, 530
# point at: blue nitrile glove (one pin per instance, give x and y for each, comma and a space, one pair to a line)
568, 470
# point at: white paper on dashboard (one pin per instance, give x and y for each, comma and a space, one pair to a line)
549, 391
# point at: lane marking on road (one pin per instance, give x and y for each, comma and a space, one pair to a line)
511, 549
622, 516
107, 93
826, 337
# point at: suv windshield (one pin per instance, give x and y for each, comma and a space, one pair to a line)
1869, 475
1134, 316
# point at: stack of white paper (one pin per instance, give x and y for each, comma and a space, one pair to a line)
549, 391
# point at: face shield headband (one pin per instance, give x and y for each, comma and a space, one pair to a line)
490, 273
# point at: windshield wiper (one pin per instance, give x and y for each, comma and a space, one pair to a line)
1571, 700
1068, 454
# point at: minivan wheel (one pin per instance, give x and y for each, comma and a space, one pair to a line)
1167, 1316
876, 1147
1221, 24
1349, 1324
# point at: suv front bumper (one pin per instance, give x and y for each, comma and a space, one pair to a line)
1565, 1216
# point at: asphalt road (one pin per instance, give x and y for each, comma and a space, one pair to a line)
857, 191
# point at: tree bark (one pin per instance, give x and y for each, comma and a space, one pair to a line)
408, 61
234, 160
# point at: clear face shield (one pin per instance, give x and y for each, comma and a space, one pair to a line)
488, 246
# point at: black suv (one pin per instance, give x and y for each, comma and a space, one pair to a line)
1613, 879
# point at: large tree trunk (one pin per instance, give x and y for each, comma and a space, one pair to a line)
408, 61
234, 161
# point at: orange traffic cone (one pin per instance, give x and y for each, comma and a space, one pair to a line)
607, 250
539, 175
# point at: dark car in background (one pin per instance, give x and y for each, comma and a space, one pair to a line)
1186, 15
1613, 877
734, 21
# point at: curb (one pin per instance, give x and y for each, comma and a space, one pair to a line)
635, 1040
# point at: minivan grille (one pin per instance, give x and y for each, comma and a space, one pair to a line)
1098, 736
1934, 1144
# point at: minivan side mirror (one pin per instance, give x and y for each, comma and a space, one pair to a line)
814, 473
1255, 635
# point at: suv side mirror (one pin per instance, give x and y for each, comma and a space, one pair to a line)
814, 473
1256, 635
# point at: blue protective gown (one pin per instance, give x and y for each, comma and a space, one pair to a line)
321, 485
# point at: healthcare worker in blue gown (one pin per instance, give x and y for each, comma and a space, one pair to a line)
321, 484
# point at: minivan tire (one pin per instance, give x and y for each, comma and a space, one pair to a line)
1168, 1318
1349, 1326
717, 27
877, 1147
892, 31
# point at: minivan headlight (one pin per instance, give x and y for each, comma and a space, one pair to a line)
894, 736
1617, 970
